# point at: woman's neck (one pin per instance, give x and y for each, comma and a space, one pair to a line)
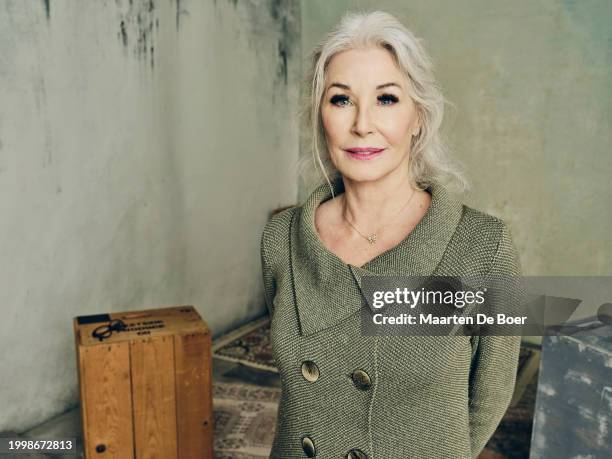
370, 204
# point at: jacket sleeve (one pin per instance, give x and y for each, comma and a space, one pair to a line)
269, 283
495, 361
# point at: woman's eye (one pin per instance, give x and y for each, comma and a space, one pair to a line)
388, 99
339, 100
342, 100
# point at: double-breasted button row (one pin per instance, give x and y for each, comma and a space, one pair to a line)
361, 380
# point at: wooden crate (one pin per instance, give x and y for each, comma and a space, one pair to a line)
146, 391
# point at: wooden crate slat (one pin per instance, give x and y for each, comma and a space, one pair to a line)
194, 395
107, 391
154, 398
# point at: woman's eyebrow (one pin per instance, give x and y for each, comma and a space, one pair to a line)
386, 85
348, 88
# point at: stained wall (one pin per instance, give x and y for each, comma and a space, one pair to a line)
140, 144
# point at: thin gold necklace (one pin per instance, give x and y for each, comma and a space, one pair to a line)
373, 237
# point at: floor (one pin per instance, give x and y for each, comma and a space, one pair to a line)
69, 424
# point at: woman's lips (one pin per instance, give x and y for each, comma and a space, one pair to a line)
364, 153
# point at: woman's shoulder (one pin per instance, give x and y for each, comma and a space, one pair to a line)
487, 235
276, 234
473, 224
279, 221
485, 224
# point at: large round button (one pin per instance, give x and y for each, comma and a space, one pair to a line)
356, 454
310, 371
361, 380
308, 447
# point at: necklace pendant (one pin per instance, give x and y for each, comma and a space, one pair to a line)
372, 238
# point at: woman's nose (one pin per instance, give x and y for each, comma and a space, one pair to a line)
363, 122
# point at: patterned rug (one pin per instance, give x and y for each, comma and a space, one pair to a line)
250, 346
245, 420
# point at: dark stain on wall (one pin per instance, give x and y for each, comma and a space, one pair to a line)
283, 13
47, 5
285, 18
281, 70
123, 33
283, 50
179, 11
138, 22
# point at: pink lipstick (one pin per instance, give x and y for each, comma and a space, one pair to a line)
364, 153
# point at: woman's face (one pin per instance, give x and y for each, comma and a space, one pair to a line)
368, 117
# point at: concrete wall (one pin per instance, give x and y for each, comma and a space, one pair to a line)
531, 86
140, 144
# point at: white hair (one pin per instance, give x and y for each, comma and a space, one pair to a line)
430, 156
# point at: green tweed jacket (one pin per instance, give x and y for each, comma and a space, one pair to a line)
345, 395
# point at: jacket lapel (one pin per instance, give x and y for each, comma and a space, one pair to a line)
328, 291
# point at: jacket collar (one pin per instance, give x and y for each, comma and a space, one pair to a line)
327, 290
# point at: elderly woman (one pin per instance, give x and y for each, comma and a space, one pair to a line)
375, 112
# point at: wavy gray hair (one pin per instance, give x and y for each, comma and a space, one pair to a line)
430, 156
